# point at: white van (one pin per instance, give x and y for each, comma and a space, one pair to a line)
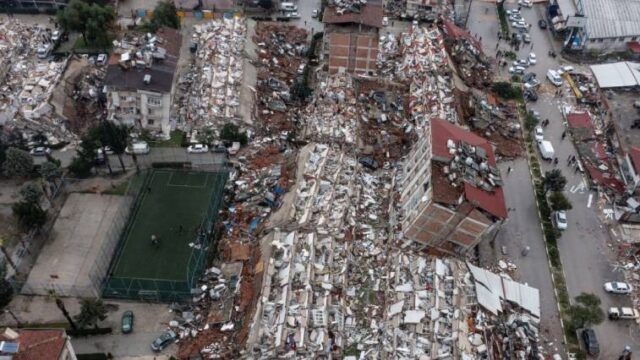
546, 149
43, 51
288, 6
138, 148
623, 313
554, 77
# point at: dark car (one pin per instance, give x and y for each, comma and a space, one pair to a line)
164, 340
369, 163
127, 322
530, 95
542, 24
590, 342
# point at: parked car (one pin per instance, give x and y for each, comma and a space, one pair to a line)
538, 133
519, 24
198, 149
565, 69
101, 60
542, 24
525, 3
293, 15
385, 21
530, 95
516, 17
560, 219
127, 322
513, 11
219, 149
618, 287
622, 313
369, 163
532, 59
40, 151
167, 338
590, 342
526, 38
521, 62
138, 148
531, 84
517, 70
56, 36
554, 77
315, 13
301, 68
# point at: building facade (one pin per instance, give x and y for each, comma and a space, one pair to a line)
140, 82
451, 196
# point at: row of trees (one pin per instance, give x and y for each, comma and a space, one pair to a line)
105, 137
92, 311
555, 182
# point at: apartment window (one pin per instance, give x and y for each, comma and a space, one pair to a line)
150, 122
425, 186
123, 98
634, 38
621, 39
600, 40
154, 100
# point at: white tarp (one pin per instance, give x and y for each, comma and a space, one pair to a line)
619, 74
491, 288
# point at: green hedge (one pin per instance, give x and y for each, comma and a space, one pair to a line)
171, 164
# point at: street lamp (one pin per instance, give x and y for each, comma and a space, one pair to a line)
7, 311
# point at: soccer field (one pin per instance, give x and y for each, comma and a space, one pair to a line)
171, 206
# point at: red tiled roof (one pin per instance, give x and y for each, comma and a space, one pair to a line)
46, 344
441, 132
634, 47
370, 15
580, 120
634, 154
491, 202
604, 179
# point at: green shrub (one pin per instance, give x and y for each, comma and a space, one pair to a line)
506, 91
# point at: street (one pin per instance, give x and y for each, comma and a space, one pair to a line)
155, 155
583, 246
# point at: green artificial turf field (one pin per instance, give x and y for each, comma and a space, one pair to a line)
171, 206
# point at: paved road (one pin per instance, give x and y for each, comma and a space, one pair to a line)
583, 249
120, 345
523, 227
155, 155
306, 21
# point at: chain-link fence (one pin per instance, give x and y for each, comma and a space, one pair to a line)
156, 289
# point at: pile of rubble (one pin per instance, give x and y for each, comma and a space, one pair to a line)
209, 93
347, 6
27, 83
466, 51
281, 52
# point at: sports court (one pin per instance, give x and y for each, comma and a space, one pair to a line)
177, 208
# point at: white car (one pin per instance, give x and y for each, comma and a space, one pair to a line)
560, 219
301, 68
616, 287
198, 149
516, 17
40, 151
315, 13
525, 3
532, 59
531, 84
521, 62
538, 133
293, 15
102, 59
514, 11
518, 70
385, 21
519, 24
622, 313
55, 36
565, 69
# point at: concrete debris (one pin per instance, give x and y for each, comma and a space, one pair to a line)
283, 75
208, 93
28, 80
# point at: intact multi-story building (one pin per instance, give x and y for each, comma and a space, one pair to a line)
140, 83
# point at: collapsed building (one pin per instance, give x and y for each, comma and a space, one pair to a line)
27, 82
208, 94
140, 80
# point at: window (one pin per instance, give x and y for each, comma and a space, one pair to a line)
154, 100
150, 122
621, 39
634, 38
